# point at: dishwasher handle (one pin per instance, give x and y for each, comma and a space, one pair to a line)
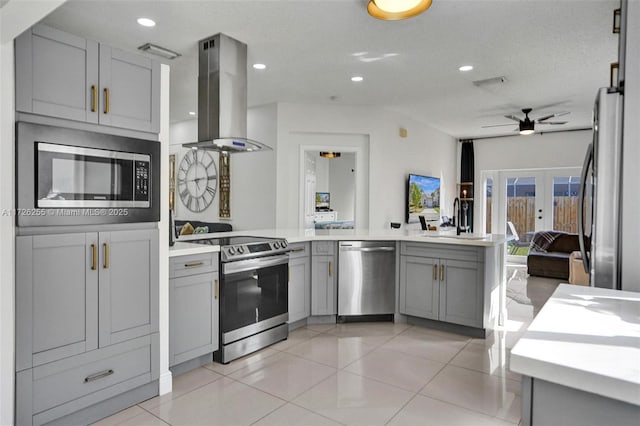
367, 249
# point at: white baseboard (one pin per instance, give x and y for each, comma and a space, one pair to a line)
166, 382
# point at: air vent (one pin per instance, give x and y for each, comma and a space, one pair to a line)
489, 81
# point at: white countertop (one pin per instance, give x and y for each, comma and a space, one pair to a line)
300, 235
585, 338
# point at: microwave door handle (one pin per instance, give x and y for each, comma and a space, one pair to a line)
588, 161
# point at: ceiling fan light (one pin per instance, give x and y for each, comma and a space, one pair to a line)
394, 10
527, 126
527, 132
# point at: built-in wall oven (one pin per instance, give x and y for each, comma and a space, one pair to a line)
254, 280
71, 177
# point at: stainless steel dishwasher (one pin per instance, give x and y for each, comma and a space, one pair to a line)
366, 278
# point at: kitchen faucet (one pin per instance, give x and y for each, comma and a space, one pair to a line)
456, 215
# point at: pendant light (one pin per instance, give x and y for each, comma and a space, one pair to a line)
394, 10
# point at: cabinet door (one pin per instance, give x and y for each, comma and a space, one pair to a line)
55, 73
193, 316
419, 287
56, 297
128, 277
129, 90
323, 285
461, 293
299, 289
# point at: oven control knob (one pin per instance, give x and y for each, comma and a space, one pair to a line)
276, 245
240, 249
283, 244
232, 251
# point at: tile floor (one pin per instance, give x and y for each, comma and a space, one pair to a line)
359, 374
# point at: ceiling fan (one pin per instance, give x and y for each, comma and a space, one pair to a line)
527, 125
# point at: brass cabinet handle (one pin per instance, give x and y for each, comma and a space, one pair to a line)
105, 247
441, 272
330, 268
297, 250
94, 257
106, 100
435, 272
217, 289
98, 376
94, 98
193, 264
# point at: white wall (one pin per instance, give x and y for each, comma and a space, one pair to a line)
342, 185
425, 151
538, 151
253, 175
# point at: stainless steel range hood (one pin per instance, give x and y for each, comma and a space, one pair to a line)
222, 97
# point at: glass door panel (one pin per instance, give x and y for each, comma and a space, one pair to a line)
565, 203
521, 212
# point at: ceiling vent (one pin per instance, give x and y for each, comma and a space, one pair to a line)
490, 81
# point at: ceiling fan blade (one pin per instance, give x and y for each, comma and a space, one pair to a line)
498, 125
546, 117
512, 117
554, 122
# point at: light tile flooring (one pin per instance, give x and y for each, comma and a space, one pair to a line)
359, 374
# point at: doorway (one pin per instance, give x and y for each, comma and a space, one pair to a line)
347, 179
523, 202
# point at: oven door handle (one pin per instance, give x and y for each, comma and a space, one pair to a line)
253, 264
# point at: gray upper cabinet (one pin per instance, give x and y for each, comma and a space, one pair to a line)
324, 280
55, 73
130, 90
128, 276
299, 282
193, 307
64, 76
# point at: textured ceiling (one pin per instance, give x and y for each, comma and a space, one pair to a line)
551, 52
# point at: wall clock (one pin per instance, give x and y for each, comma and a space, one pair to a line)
197, 180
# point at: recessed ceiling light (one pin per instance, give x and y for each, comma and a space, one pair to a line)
192, 113
259, 66
466, 68
357, 78
146, 22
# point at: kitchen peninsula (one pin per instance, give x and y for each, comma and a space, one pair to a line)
442, 280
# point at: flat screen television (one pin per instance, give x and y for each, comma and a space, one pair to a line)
423, 198
322, 201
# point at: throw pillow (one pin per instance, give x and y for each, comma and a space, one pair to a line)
542, 240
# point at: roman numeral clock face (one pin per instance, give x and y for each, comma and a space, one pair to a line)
197, 180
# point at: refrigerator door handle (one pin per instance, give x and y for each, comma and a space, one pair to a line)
586, 261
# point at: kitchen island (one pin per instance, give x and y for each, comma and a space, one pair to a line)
466, 292
580, 359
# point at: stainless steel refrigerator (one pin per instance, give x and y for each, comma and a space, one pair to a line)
609, 220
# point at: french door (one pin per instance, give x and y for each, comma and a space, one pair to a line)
523, 202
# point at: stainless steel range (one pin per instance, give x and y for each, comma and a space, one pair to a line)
254, 278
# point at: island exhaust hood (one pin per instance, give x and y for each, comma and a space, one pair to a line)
222, 97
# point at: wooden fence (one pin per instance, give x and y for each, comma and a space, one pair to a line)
521, 211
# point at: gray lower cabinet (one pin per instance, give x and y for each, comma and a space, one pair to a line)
547, 403
193, 306
442, 283
299, 282
324, 280
65, 76
86, 304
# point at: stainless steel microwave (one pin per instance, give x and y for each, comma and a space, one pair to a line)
69, 177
